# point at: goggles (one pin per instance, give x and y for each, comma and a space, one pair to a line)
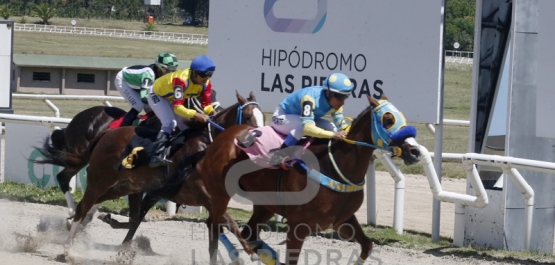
340, 96
205, 74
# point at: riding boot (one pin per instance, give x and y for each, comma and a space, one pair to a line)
129, 117
159, 157
280, 154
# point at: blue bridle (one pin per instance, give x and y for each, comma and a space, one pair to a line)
239, 119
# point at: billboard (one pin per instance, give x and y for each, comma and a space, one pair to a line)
6, 49
274, 48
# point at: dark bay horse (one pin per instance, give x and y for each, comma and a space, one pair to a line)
106, 183
225, 171
75, 138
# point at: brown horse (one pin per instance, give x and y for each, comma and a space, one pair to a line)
75, 138
105, 182
225, 171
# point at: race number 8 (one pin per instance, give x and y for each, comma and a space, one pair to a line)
178, 93
307, 109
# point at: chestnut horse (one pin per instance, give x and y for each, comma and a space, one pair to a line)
105, 182
332, 204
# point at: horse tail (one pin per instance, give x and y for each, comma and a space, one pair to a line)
58, 139
171, 186
55, 153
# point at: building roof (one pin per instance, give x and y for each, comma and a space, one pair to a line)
83, 62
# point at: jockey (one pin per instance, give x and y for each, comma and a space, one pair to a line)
167, 97
301, 112
133, 83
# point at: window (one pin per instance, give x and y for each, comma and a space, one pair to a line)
85, 78
41, 76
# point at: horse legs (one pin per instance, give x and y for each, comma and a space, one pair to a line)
215, 218
134, 222
251, 233
64, 177
295, 239
84, 206
260, 215
351, 230
134, 201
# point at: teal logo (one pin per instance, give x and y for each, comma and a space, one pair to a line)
43, 180
306, 26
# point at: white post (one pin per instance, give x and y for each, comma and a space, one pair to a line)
170, 208
371, 211
458, 234
397, 175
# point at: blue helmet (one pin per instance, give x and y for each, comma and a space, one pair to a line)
338, 83
202, 64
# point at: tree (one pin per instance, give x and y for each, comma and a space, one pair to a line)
5, 11
459, 24
44, 12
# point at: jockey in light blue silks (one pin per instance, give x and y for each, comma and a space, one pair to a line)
301, 112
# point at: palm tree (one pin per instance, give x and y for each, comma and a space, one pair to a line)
44, 12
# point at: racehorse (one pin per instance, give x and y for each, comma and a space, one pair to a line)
105, 182
333, 200
75, 138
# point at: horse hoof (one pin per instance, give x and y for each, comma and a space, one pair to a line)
68, 224
255, 257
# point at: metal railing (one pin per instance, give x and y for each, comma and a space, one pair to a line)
459, 57
188, 38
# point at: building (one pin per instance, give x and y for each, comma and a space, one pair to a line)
71, 75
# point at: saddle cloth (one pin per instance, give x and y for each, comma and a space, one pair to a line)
259, 144
141, 147
117, 122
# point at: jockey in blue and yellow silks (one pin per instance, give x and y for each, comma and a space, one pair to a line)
167, 98
301, 112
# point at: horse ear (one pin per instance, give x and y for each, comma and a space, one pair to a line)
251, 97
384, 97
240, 99
373, 102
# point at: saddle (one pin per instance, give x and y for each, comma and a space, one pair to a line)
261, 143
117, 122
141, 147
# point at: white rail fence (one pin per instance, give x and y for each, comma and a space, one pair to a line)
459, 57
188, 38
509, 166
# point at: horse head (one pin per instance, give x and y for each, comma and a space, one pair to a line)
401, 136
388, 130
245, 111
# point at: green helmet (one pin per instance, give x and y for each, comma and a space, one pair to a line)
167, 61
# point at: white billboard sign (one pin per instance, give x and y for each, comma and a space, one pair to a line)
21, 140
274, 48
545, 107
6, 48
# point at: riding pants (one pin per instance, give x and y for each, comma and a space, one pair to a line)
164, 111
290, 124
132, 96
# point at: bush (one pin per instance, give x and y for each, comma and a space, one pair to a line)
150, 27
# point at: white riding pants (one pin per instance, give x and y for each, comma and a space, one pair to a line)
291, 124
132, 96
164, 111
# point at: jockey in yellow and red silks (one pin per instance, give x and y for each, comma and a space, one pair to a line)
167, 98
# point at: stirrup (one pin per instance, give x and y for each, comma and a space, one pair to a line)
159, 162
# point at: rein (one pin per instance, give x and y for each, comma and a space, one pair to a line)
380, 135
238, 120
